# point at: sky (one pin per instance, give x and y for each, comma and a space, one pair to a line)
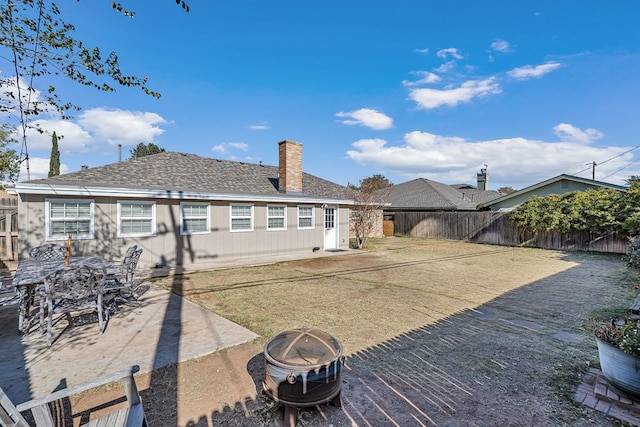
406, 89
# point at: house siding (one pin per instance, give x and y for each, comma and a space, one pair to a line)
557, 185
168, 247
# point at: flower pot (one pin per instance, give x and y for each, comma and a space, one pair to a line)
622, 370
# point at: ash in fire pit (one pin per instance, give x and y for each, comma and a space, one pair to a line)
302, 368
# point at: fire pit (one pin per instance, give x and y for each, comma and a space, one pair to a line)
302, 368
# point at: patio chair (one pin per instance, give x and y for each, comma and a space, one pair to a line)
48, 251
70, 289
131, 415
122, 283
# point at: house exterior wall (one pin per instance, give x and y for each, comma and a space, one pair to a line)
168, 247
559, 187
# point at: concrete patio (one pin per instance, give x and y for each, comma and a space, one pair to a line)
164, 329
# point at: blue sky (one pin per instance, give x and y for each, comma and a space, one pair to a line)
406, 89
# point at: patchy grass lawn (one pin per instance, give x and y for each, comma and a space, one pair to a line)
437, 332
394, 286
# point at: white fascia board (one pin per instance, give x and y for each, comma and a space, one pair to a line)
135, 193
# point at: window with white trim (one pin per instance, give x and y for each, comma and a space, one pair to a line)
276, 217
136, 218
306, 217
241, 217
195, 218
69, 217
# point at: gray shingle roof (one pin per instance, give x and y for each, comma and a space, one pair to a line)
189, 172
424, 194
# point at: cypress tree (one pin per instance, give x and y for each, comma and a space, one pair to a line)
54, 161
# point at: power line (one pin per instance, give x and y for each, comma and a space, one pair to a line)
593, 165
615, 157
624, 167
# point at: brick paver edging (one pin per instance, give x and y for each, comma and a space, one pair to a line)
595, 392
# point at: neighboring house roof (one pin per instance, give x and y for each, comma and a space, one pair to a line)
179, 175
517, 197
424, 194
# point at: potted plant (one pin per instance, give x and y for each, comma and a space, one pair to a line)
618, 342
618, 339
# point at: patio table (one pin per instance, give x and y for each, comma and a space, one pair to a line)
30, 276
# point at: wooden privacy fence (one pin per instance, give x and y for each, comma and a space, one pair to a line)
494, 228
8, 232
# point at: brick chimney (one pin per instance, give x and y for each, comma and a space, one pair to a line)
290, 167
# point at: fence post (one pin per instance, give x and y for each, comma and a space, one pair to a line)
8, 236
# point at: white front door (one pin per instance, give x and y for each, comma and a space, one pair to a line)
330, 230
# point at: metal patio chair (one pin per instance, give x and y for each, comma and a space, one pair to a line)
71, 289
48, 251
121, 284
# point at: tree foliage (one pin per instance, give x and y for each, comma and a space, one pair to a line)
54, 160
143, 149
632, 179
9, 161
369, 199
374, 183
506, 190
601, 211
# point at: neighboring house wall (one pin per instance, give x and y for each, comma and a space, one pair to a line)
167, 246
558, 185
376, 229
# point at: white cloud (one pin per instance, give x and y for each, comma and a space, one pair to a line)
39, 168
97, 130
428, 99
72, 138
367, 117
529, 71
451, 51
227, 146
573, 134
446, 67
94, 131
260, 126
239, 145
501, 46
121, 126
515, 161
426, 78
426, 50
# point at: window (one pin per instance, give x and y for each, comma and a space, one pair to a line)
329, 218
69, 217
136, 219
195, 218
276, 217
305, 217
241, 217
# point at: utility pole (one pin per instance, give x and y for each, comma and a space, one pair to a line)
593, 173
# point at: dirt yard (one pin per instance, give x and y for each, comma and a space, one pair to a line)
435, 333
